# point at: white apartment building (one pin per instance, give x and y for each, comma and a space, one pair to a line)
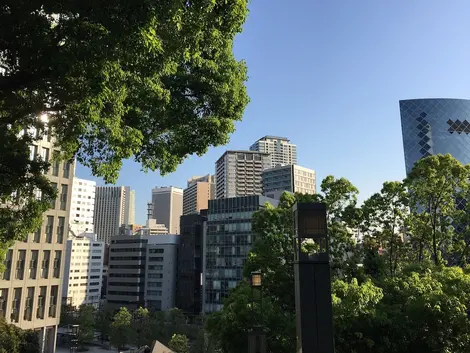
292, 178
197, 194
281, 150
114, 206
167, 207
31, 285
83, 206
239, 173
83, 270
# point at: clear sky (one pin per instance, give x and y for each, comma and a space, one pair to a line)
329, 75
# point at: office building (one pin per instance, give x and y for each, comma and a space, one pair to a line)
190, 255
31, 285
198, 193
239, 173
167, 203
153, 228
82, 208
435, 126
113, 207
292, 178
142, 271
227, 242
280, 149
83, 270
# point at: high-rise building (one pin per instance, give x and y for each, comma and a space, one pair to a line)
142, 271
190, 255
227, 242
282, 152
31, 285
82, 208
167, 207
435, 126
83, 270
292, 178
197, 194
239, 173
113, 208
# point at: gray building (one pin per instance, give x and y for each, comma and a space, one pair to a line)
142, 271
227, 241
239, 173
114, 206
292, 178
167, 207
280, 149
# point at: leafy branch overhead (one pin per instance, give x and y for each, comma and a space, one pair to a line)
152, 80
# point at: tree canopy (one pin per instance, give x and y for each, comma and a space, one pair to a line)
395, 286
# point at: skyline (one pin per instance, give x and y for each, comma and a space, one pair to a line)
329, 76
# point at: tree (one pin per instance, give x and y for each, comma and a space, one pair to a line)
179, 344
104, 318
68, 315
16, 340
142, 327
121, 330
149, 80
385, 215
86, 322
436, 184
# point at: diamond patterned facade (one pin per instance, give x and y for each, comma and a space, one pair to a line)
435, 126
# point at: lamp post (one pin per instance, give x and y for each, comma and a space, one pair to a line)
313, 305
74, 339
256, 337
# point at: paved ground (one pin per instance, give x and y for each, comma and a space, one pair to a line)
92, 349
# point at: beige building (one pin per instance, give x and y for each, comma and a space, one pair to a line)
198, 193
280, 149
167, 207
239, 173
292, 178
31, 285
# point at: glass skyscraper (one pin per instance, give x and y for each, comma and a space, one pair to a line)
435, 126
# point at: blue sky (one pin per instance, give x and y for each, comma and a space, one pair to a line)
329, 75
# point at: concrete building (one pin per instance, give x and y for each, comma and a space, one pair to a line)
113, 207
83, 270
142, 271
153, 228
31, 285
190, 255
198, 193
282, 152
167, 207
239, 173
292, 178
82, 208
227, 242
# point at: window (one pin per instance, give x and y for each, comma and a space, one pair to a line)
155, 259
57, 258
20, 263
33, 264
157, 293
49, 229
33, 152
66, 171
63, 196
155, 275
45, 154
60, 230
53, 301
154, 284
155, 267
45, 264
3, 301
54, 185
28, 307
7, 263
156, 251
41, 302
37, 236
15, 305
55, 163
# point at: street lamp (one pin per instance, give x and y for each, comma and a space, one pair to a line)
74, 339
257, 337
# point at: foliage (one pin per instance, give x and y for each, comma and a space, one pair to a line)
68, 315
86, 322
104, 318
120, 333
15, 340
388, 297
145, 79
179, 344
149, 80
142, 327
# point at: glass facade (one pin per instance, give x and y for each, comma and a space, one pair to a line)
435, 126
228, 241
